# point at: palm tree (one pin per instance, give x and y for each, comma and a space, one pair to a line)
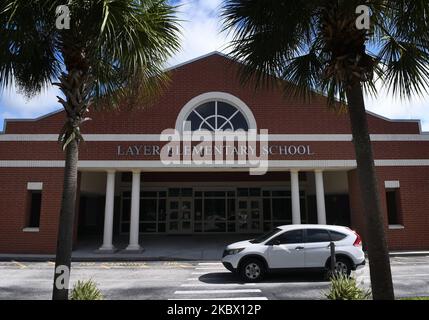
310, 46
112, 54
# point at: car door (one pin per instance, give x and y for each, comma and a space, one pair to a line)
286, 250
317, 247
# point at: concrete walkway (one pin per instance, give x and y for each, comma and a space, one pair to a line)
161, 248
164, 247
155, 248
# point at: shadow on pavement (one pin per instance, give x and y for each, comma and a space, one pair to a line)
224, 277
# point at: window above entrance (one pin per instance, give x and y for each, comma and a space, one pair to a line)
215, 111
216, 116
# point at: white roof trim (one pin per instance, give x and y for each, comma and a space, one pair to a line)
5, 121
213, 53
419, 122
149, 165
271, 137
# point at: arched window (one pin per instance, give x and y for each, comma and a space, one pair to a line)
216, 116
215, 111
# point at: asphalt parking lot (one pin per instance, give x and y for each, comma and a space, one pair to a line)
194, 280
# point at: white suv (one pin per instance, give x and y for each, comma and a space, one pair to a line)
295, 247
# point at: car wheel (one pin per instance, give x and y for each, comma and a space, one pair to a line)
342, 266
252, 270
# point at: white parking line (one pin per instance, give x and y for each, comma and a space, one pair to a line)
215, 284
234, 298
204, 268
218, 291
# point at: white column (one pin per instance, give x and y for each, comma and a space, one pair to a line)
320, 197
135, 212
108, 212
296, 208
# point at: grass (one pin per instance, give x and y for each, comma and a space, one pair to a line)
415, 298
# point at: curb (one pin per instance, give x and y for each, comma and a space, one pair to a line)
44, 258
409, 254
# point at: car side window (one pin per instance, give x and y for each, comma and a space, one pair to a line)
318, 235
337, 236
289, 237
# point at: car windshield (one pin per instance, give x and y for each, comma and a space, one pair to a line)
265, 236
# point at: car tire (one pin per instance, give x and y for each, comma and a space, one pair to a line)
342, 266
252, 270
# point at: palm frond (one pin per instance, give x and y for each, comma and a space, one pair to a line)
136, 38
303, 75
406, 68
409, 19
28, 54
314, 45
121, 44
267, 35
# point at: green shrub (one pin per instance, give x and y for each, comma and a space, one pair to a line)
85, 290
344, 287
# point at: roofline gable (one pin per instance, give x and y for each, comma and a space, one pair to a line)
202, 57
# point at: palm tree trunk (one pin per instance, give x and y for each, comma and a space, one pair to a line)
378, 254
66, 224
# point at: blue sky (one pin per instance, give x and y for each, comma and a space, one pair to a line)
201, 35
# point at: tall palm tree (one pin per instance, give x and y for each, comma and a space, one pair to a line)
316, 45
113, 53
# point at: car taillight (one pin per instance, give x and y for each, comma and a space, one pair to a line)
358, 241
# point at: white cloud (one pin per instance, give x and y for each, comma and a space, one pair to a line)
24, 107
417, 108
201, 29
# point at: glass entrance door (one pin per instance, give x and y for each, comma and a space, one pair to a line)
249, 217
179, 215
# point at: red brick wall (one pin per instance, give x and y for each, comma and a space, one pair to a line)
13, 209
76, 220
414, 188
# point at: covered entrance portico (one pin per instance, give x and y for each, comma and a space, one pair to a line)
139, 202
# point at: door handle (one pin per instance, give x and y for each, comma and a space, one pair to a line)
299, 248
